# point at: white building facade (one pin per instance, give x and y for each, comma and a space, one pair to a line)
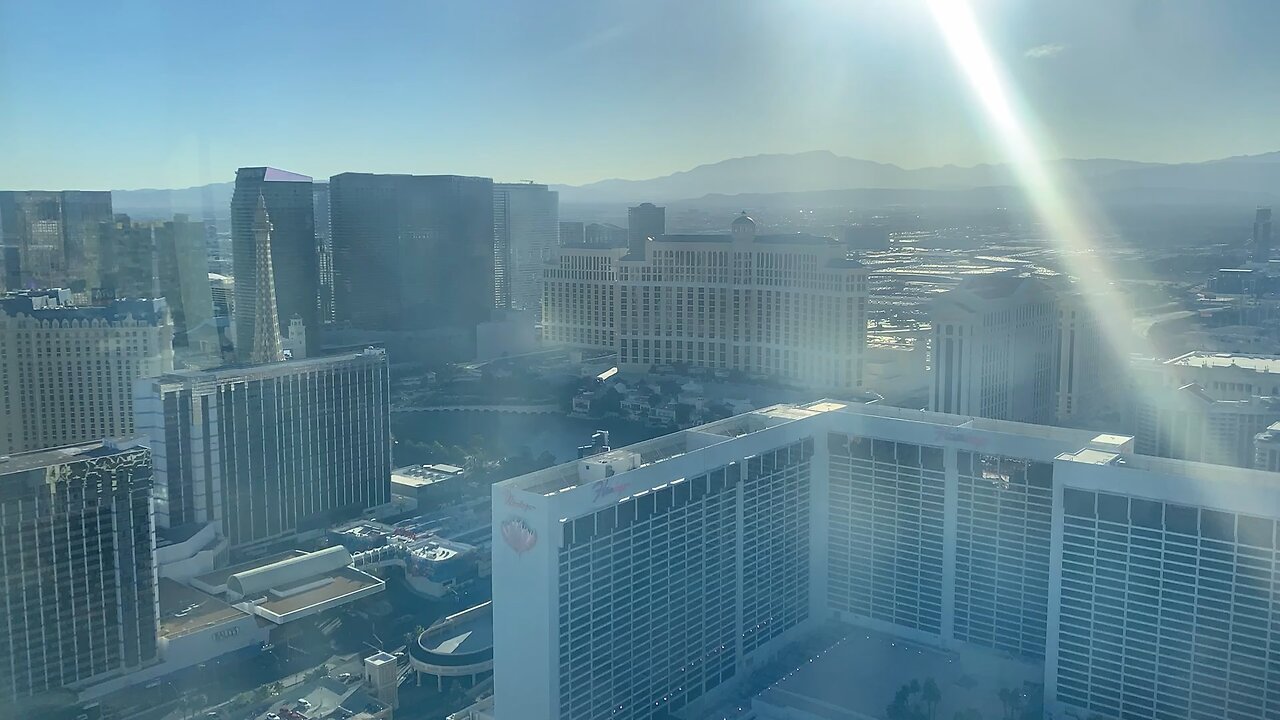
1188, 423
1225, 376
1086, 387
648, 578
994, 343
787, 306
67, 372
1163, 600
580, 294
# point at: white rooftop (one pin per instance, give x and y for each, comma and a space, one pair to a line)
1204, 359
568, 476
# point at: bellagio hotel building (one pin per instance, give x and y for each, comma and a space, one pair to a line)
793, 307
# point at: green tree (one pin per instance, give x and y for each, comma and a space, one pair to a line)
607, 402
1014, 702
908, 704
1006, 701
931, 696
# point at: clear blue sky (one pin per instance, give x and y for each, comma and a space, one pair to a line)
177, 93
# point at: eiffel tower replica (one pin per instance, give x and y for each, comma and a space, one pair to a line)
266, 326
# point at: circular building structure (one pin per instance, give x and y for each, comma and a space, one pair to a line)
459, 646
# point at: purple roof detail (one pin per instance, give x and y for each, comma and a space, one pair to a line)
278, 175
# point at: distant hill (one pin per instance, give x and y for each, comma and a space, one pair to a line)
823, 170
198, 202
1237, 180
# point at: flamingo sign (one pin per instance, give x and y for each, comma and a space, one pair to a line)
517, 534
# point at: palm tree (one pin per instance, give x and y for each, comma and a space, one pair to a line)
932, 696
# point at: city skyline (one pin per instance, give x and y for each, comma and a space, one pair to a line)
718, 360
1114, 80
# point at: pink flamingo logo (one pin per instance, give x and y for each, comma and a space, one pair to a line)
518, 535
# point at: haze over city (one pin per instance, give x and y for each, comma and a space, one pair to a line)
665, 360
130, 95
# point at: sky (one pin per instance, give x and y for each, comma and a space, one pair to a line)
121, 95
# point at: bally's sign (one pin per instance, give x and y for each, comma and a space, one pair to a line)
225, 633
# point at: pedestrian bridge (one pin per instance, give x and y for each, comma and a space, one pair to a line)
543, 409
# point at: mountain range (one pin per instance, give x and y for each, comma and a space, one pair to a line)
1240, 179
823, 171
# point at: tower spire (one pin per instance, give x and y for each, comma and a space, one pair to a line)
266, 334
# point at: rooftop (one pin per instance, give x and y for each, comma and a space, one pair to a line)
278, 577
185, 610
423, 475
1202, 359
466, 632
275, 174
564, 477
1243, 482
148, 310
340, 586
462, 634
1271, 434
233, 373
22, 462
218, 578
771, 239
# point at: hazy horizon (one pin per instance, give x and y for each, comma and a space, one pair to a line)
170, 96
325, 178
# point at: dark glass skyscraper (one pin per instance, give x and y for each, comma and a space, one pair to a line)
412, 252
273, 451
127, 266
645, 221
526, 230
1262, 235
294, 259
183, 268
78, 568
50, 239
324, 246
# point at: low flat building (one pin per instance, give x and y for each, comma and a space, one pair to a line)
430, 485
196, 627
361, 535
460, 646
291, 586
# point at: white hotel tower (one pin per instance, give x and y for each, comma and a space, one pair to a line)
792, 306
640, 583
